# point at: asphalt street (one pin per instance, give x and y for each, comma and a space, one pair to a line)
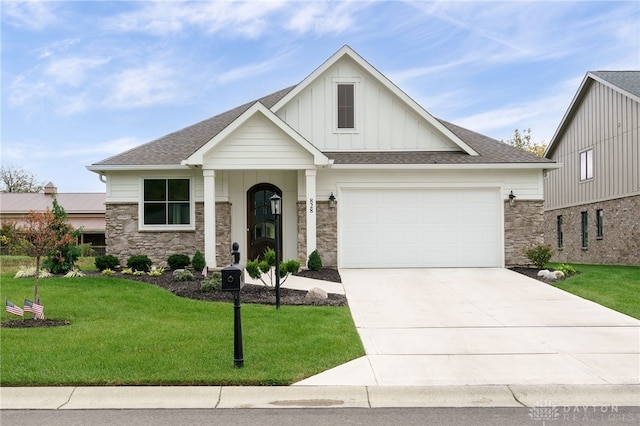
587, 415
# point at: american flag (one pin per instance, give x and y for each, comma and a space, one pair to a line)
36, 308
204, 271
13, 309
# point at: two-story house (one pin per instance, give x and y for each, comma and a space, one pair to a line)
366, 175
592, 203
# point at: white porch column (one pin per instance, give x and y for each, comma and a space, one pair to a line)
210, 217
311, 210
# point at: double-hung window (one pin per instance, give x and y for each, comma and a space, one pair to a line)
166, 202
586, 165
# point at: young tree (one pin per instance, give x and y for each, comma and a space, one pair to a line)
15, 179
523, 141
39, 231
64, 258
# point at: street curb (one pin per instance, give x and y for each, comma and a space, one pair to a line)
217, 397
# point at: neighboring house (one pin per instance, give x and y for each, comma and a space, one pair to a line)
367, 177
592, 206
84, 210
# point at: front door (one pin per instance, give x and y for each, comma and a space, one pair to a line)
260, 222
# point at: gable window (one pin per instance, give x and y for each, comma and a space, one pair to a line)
346, 106
560, 231
599, 223
586, 165
585, 230
166, 202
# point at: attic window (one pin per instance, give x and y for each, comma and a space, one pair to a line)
346, 106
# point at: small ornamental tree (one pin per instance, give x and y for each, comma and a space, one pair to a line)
64, 258
42, 239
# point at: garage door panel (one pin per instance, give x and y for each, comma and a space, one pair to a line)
420, 228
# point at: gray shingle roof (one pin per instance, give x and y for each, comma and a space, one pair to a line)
490, 151
175, 147
629, 81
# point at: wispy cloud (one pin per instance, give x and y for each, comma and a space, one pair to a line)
31, 15
72, 71
153, 84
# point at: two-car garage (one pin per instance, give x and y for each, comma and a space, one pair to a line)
420, 227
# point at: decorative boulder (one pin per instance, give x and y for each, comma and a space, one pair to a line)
559, 274
550, 276
543, 272
316, 295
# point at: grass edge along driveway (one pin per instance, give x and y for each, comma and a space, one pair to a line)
614, 286
130, 333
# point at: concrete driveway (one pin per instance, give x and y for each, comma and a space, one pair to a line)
480, 327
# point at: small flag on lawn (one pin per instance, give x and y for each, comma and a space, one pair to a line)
13, 309
204, 271
35, 308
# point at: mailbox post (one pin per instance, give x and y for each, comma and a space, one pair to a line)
233, 281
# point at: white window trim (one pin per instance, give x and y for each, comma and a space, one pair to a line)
162, 228
588, 165
357, 103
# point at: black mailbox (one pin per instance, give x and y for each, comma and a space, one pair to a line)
233, 277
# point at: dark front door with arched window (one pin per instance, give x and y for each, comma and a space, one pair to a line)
260, 222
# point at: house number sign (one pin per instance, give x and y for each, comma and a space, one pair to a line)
310, 205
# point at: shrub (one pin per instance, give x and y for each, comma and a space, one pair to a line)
107, 272
178, 261
139, 262
265, 269
315, 262
74, 273
212, 283
87, 250
127, 271
567, 269
106, 262
155, 272
198, 261
182, 275
539, 255
291, 267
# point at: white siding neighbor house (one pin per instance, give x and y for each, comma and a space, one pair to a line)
367, 177
592, 205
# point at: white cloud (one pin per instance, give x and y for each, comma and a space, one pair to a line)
72, 71
32, 15
323, 18
146, 86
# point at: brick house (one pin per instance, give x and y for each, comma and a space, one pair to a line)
592, 204
367, 177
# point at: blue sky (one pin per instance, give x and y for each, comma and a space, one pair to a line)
82, 81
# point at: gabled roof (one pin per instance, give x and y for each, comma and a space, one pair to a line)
624, 82
72, 203
184, 147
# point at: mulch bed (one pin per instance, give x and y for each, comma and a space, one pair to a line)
533, 273
32, 322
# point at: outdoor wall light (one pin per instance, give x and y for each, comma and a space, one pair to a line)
512, 198
332, 200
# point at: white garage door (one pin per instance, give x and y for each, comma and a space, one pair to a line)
401, 228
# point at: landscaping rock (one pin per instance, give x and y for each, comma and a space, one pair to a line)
316, 295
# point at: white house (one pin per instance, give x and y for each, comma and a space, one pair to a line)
367, 177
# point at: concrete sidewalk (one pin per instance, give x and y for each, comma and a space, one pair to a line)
214, 397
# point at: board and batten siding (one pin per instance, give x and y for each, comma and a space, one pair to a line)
258, 144
383, 121
609, 123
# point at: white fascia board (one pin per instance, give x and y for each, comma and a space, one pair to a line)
197, 158
109, 168
348, 51
505, 166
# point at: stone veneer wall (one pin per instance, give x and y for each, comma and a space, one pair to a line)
620, 242
124, 239
523, 228
326, 233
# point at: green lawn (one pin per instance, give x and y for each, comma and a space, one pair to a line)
124, 333
616, 287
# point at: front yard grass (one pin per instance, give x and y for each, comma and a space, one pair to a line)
616, 287
130, 333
